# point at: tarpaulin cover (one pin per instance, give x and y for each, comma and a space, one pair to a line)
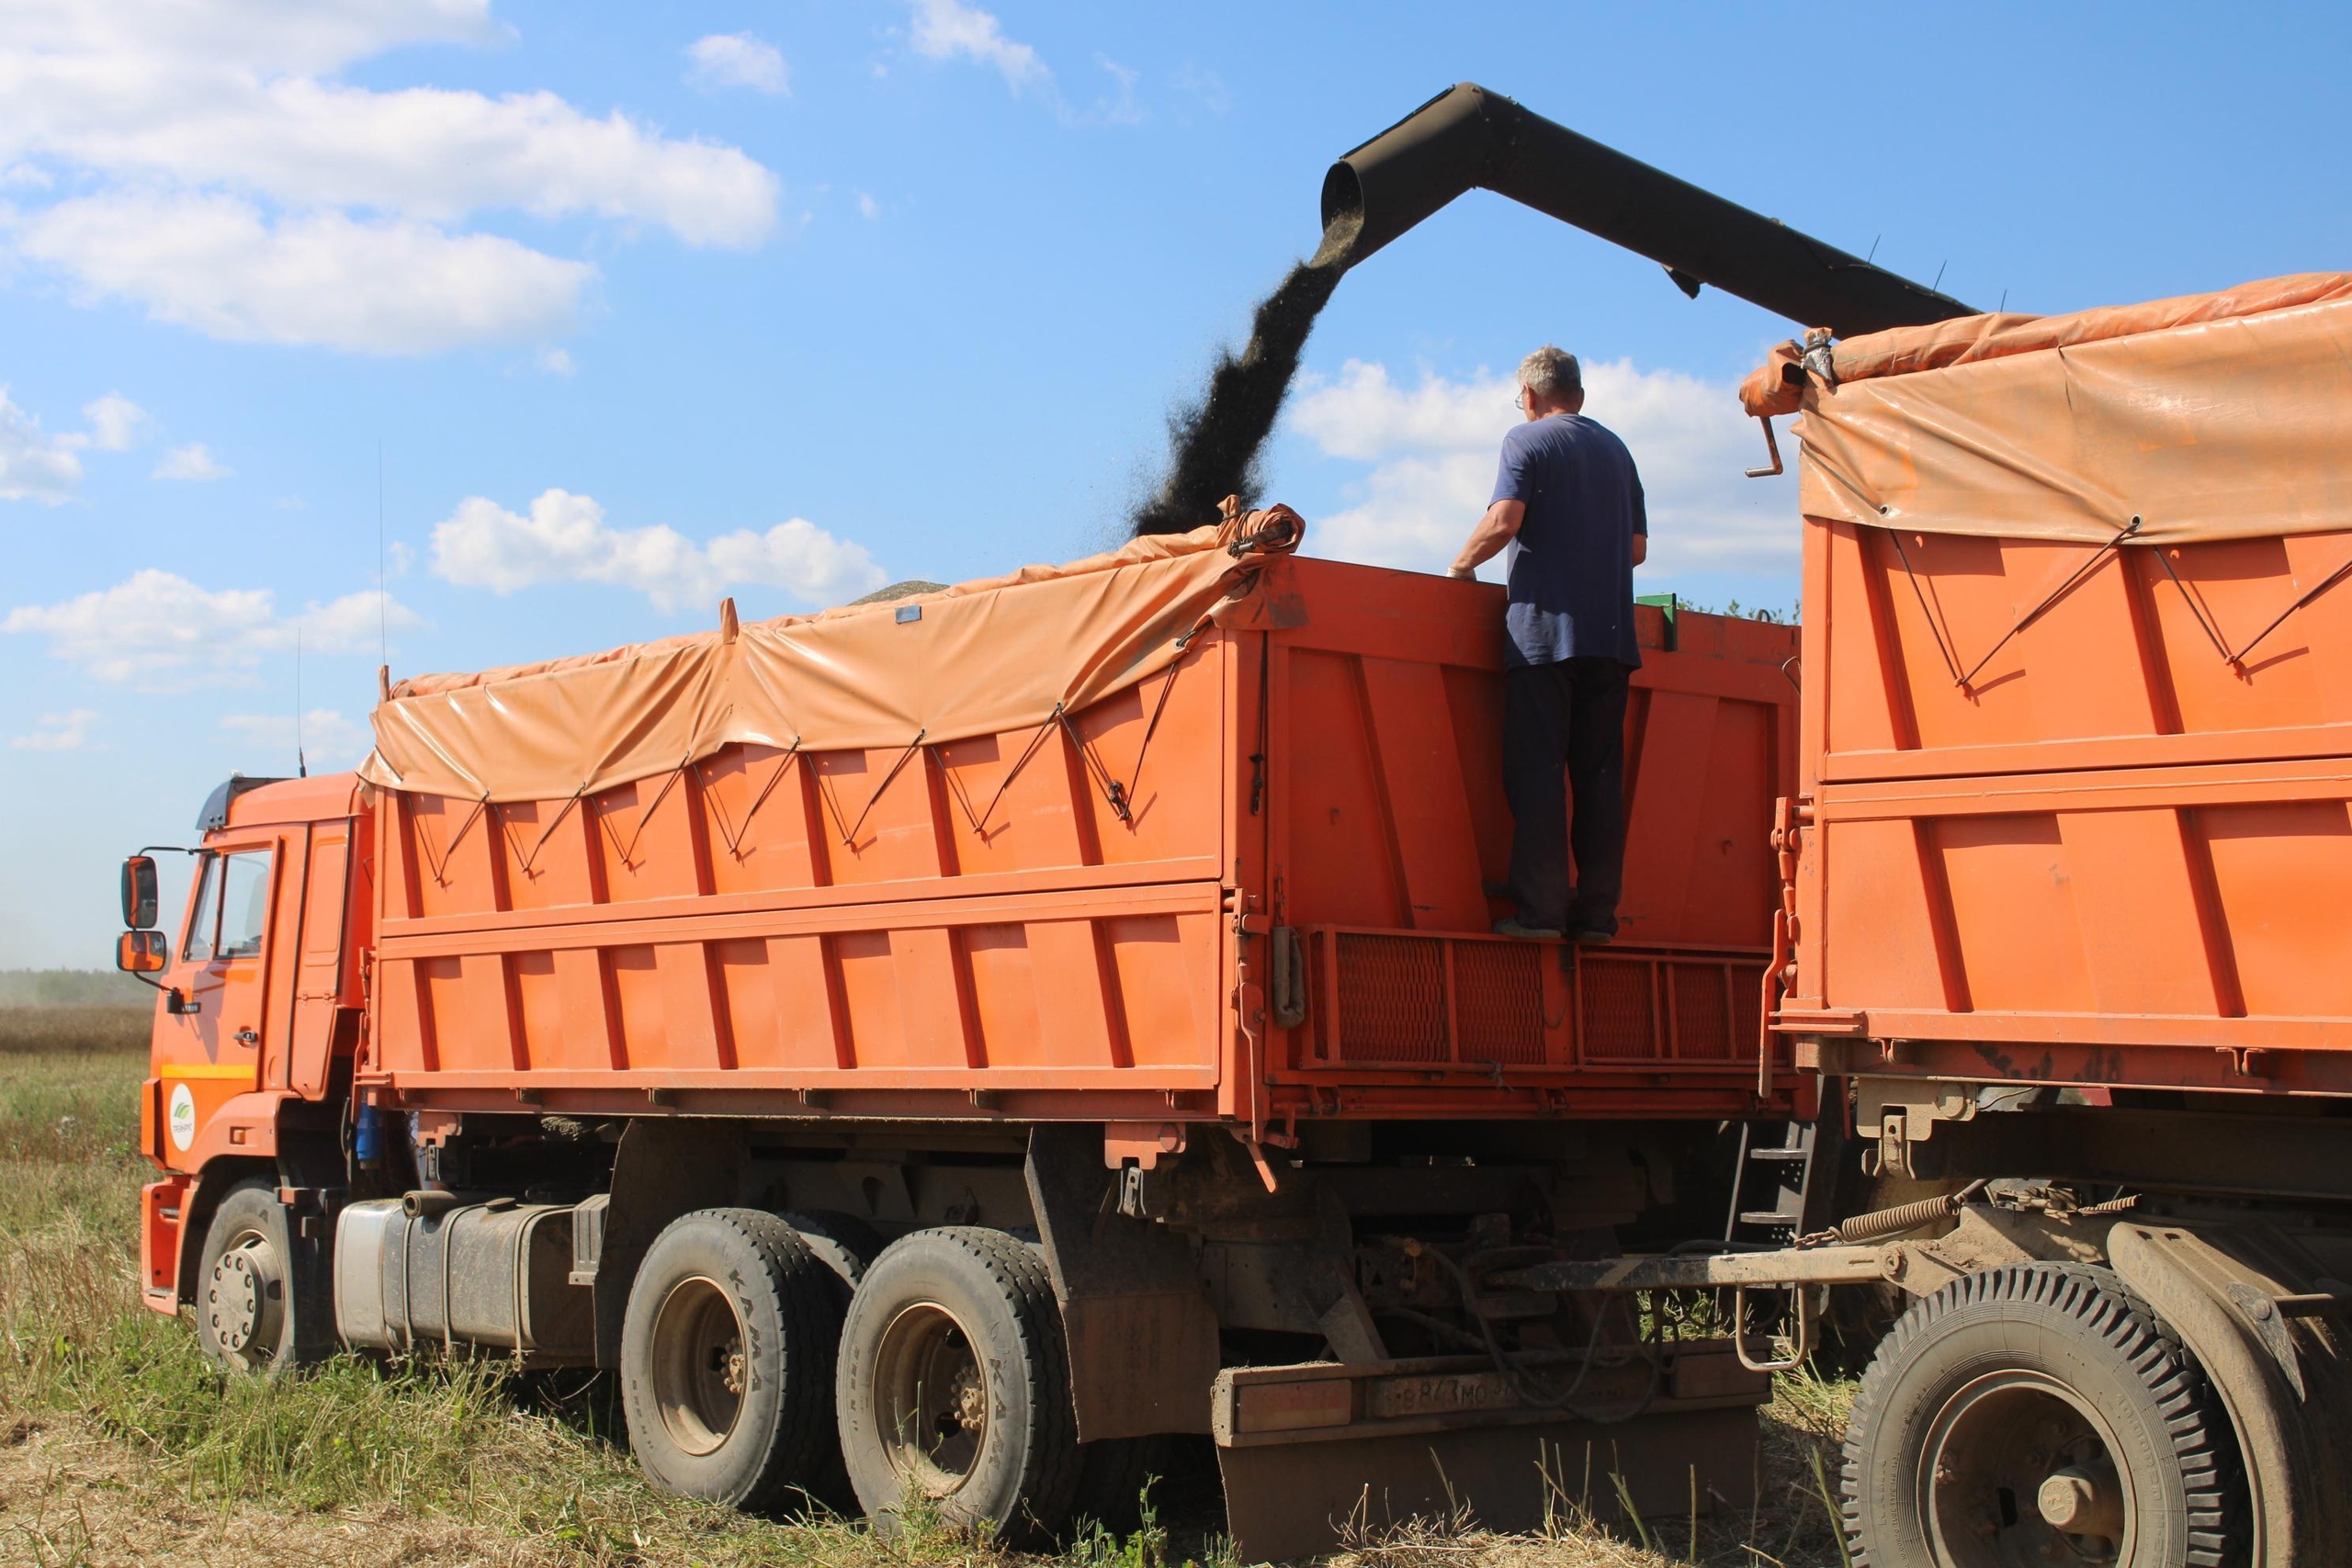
2210, 416
982, 657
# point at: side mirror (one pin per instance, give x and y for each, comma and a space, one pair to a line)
139, 893
141, 952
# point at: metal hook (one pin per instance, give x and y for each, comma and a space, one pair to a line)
1772, 446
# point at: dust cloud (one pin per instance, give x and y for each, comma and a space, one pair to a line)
1214, 444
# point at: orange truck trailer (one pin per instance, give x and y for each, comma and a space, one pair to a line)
2063, 920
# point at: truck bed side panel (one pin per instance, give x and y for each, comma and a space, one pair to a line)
972, 917
2108, 815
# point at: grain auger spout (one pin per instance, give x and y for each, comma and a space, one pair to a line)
1468, 137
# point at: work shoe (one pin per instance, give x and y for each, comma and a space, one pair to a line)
1526, 933
1593, 936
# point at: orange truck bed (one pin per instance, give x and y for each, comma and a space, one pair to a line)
1252, 885
2078, 698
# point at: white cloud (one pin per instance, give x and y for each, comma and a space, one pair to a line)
159, 631
946, 29
555, 361
58, 732
191, 462
47, 469
325, 737
738, 60
566, 539
124, 87
1123, 109
274, 35
1432, 449
867, 208
1204, 87
117, 424
226, 122
34, 465
950, 30
217, 264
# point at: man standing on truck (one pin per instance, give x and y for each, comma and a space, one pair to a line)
1568, 503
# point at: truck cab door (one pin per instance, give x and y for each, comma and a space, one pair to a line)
211, 1051
319, 978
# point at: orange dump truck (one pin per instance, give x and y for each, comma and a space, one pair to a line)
971, 1037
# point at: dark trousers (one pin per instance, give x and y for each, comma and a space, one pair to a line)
1566, 718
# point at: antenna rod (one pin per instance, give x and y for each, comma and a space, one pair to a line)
383, 612
302, 766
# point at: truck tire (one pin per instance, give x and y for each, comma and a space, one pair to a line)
256, 1292
2038, 1413
726, 1361
842, 1243
955, 1386
1112, 1473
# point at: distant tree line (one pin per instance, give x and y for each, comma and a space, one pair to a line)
70, 989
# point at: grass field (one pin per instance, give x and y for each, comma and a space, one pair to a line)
119, 1445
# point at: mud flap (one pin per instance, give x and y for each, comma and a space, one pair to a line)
1319, 1453
665, 1168
1141, 1331
2263, 1318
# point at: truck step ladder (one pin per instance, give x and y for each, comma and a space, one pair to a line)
1771, 1183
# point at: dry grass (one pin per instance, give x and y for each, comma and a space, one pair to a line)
1790, 1526
119, 1445
75, 1031
68, 1117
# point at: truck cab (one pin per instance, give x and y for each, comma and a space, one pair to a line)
258, 1013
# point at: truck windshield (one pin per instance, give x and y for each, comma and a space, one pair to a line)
232, 908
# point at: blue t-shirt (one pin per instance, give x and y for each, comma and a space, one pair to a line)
1572, 574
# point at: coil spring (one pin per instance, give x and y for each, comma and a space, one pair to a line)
1906, 1217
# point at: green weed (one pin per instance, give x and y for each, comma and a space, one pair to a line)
437, 1459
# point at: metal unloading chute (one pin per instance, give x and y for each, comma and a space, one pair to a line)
1467, 136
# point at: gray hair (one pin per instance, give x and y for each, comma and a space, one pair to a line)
1552, 374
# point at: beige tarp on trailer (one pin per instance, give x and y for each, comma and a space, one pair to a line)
2210, 416
978, 659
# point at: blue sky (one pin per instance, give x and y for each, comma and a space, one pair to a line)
644, 304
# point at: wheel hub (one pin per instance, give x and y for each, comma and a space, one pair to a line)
245, 1300
933, 1398
2018, 1472
700, 1369
2080, 1502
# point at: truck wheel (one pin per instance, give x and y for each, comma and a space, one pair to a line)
250, 1295
842, 1243
954, 1385
2034, 1414
726, 1360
